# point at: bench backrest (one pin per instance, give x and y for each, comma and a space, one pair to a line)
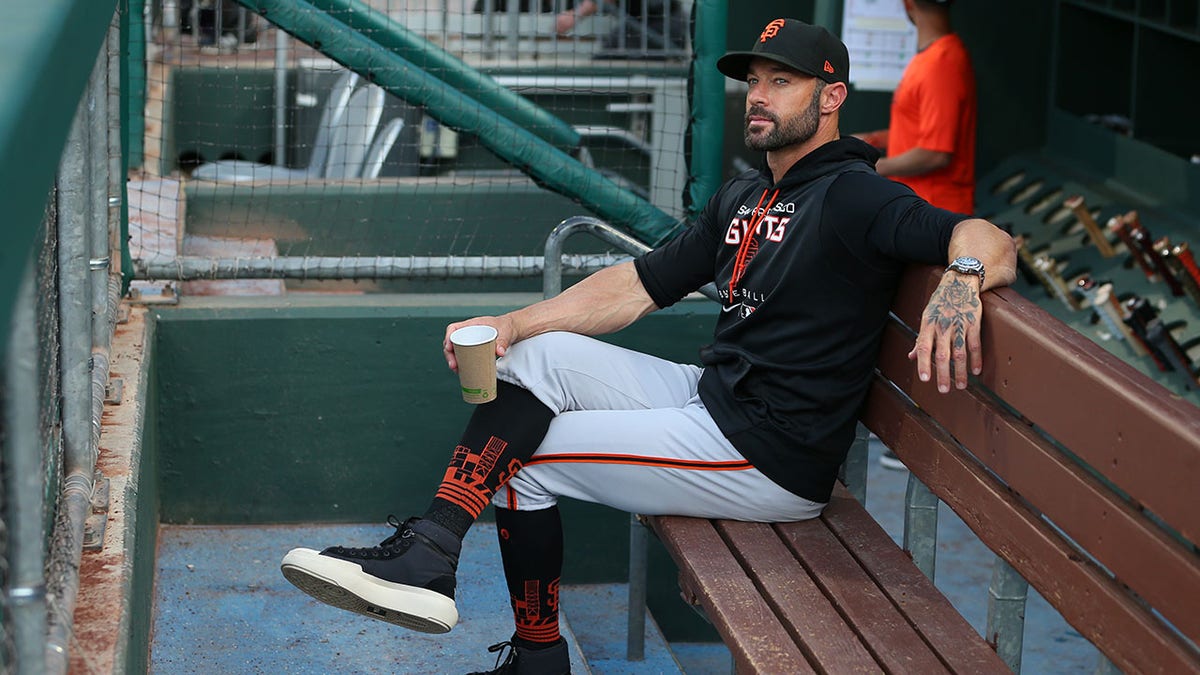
1079, 471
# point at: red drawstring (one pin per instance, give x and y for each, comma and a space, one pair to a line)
739, 262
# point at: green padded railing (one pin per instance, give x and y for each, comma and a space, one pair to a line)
50, 47
545, 163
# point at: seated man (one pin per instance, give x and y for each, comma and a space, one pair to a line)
807, 253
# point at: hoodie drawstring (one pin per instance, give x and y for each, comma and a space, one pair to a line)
740, 262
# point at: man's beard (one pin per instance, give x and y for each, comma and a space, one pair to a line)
794, 131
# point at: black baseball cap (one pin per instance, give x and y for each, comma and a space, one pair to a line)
804, 47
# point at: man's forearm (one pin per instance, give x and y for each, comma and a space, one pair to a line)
913, 162
994, 247
604, 302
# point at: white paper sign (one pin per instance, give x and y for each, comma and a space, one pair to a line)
881, 41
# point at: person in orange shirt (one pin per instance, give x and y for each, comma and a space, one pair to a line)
929, 144
930, 140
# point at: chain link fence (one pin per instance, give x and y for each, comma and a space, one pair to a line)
397, 146
56, 362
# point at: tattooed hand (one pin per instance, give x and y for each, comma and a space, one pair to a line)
950, 332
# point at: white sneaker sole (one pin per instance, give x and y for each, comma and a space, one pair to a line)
344, 585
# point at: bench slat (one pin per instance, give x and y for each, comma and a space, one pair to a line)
1089, 400
716, 580
939, 623
883, 628
800, 604
1118, 536
1101, 611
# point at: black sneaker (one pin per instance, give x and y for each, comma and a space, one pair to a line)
889, 460
554, 660
407, 580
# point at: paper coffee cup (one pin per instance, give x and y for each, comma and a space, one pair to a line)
475, 351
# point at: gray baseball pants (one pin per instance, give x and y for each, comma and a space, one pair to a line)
631, 432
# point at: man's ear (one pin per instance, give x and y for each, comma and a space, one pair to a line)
833, 96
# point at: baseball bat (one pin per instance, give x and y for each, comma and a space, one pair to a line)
1142, 244
1094, 232
1183, 253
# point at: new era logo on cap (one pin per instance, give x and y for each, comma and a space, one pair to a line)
798, 45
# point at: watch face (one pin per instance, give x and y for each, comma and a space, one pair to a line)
967, 264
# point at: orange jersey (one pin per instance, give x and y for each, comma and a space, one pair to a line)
934, 108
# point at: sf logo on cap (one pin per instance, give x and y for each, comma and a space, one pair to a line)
771, 30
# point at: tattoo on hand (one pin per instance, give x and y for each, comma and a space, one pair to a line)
952, 308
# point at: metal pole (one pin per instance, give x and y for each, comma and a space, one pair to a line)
553, 271
99, 251
23, 484
854, 469
1006, 612
635, 639
411, 267
281, 67
218, 21
75, 191
828, 13
116, 186
707, 130
489, 39
514, 30
920, 525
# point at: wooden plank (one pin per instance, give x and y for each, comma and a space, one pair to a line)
710, 574
884, 630
939, 623
1102, 611
813, 621
1127, 427
1120, 537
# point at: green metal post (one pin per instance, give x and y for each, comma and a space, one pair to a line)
131, 88
547, 165
920, 525
708, 102
380, 28
828, 13
133, 74
1007, 597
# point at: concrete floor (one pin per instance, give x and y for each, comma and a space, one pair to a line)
221, 606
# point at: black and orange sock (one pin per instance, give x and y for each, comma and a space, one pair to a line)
531, 548
500, 437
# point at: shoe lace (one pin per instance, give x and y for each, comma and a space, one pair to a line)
509, 658
397, 543
403, 531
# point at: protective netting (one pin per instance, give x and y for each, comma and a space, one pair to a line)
460, 128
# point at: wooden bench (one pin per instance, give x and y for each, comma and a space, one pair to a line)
1079, 472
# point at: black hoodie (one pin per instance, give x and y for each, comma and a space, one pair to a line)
798, 336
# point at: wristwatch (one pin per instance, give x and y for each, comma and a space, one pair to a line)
965, 264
